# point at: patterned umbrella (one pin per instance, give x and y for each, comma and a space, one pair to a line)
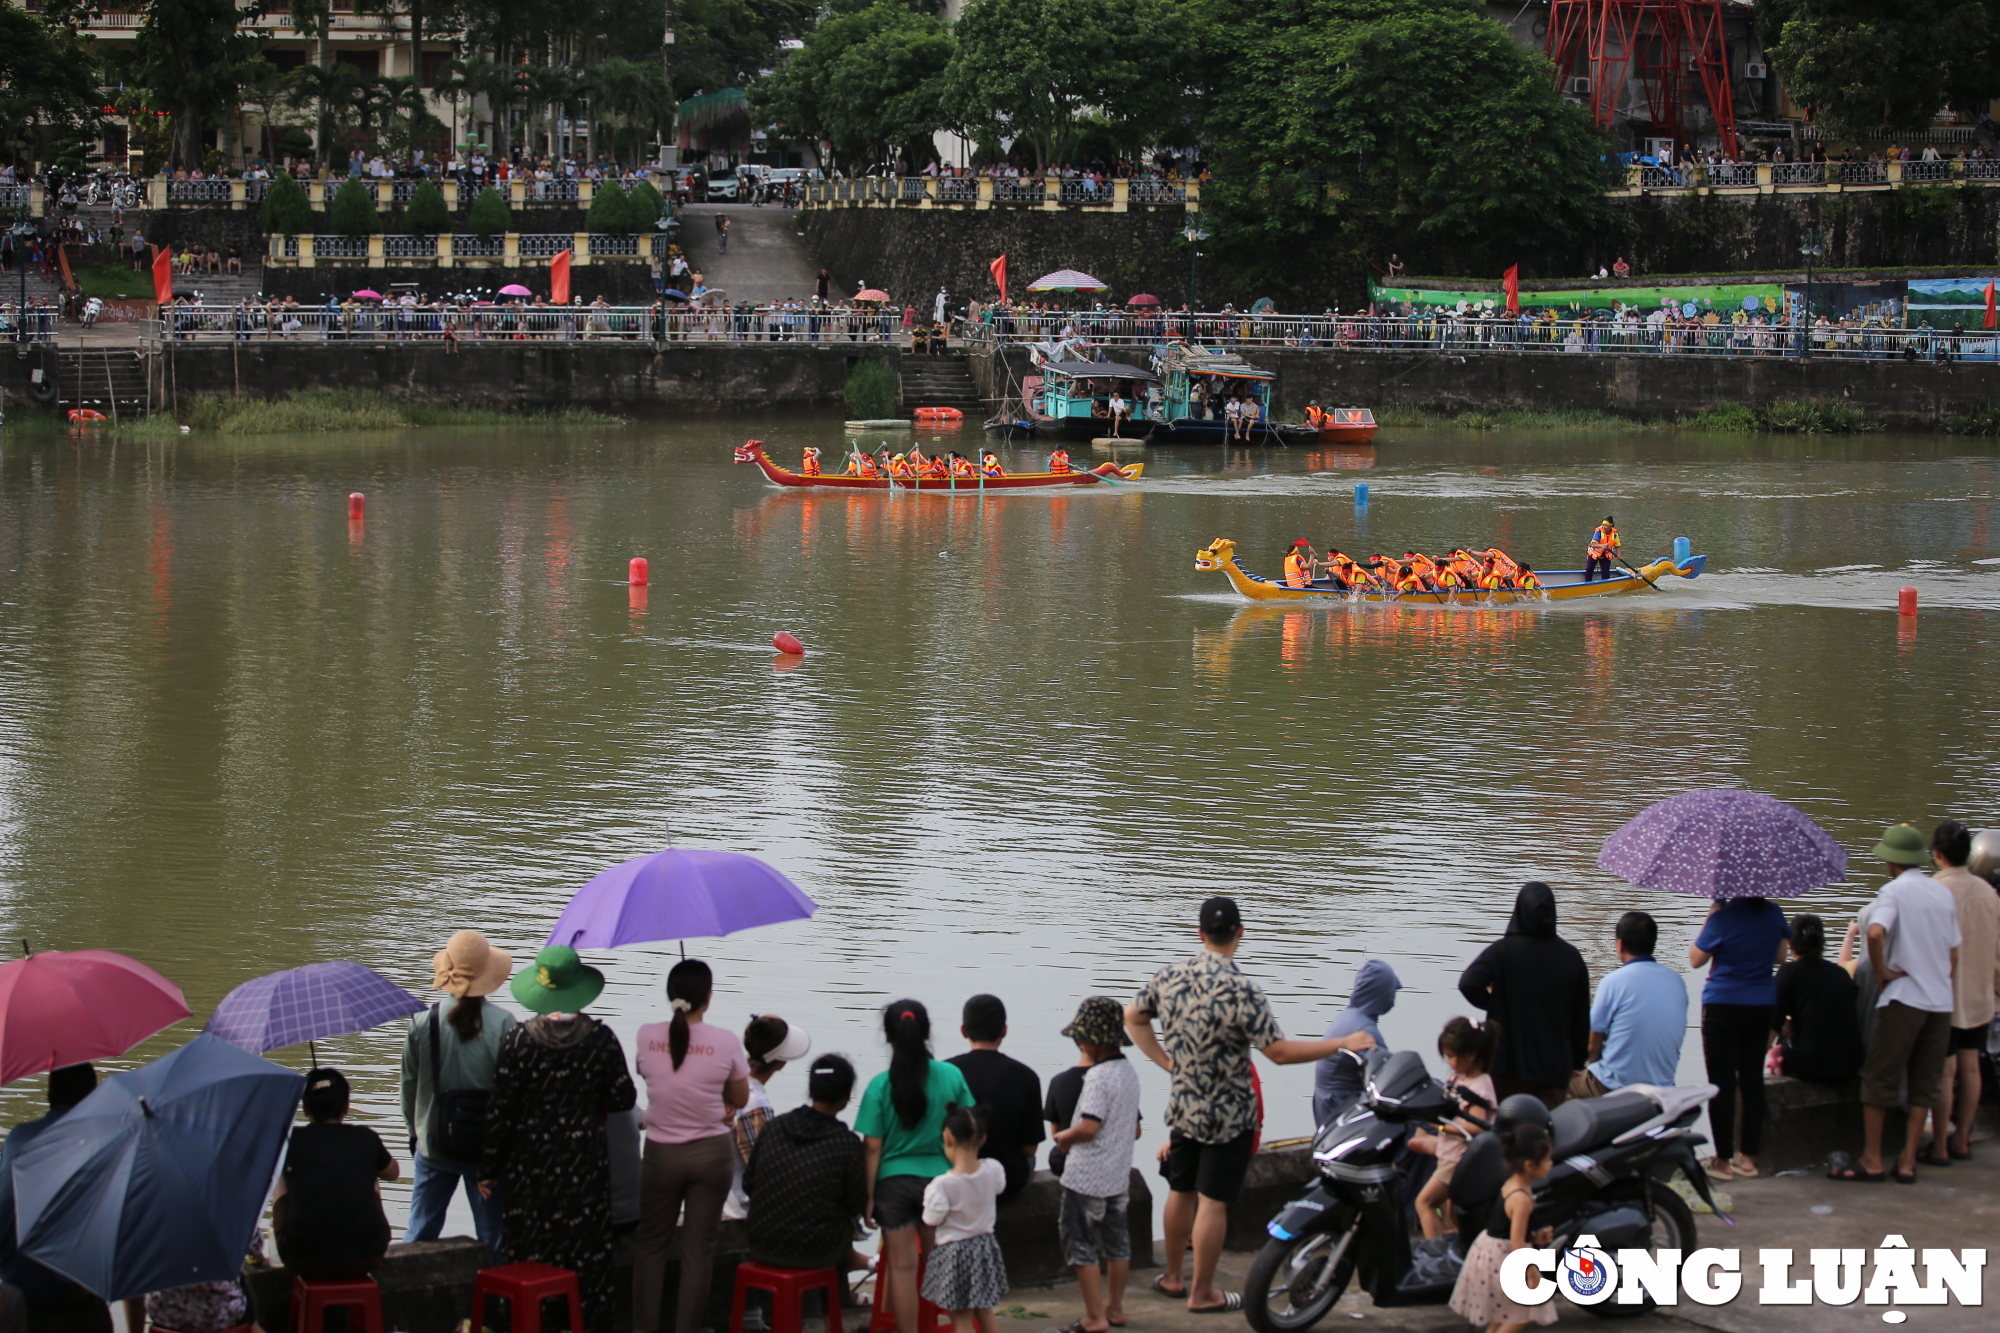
1067, 280
307, 1003
1724, 844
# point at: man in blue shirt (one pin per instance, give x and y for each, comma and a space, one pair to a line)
1639, 1019
44, 1287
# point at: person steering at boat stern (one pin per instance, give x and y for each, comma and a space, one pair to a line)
1599, 551
1298, 564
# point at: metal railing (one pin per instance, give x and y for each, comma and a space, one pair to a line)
327, 246
551, 191
467, 246
958, 189
544, 245
1444, 333
41, 321
1027, 191
15, 196
1034, 191
198, 192
454, 323
606, 244
1157, 192
409, 247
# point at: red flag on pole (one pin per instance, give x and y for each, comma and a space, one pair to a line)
1511, 282
999, 270
559, 279
1992, 317
163, 273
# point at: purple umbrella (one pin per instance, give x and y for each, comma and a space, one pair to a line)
1724, 844
307, 1003
678, 895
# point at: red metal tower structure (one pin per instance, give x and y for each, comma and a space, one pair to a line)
1664, 41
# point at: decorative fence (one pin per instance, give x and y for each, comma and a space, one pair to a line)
977, 192
448, 251
452, 323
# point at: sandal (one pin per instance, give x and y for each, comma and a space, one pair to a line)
1902, 1179
1160, 1285
1743, 1167
1843, 1167
1232, 1301
1718, 1169
1958, 1156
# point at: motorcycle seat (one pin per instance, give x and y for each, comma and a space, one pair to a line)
1594, 1121
1480, 1174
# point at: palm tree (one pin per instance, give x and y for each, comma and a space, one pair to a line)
335, 90
632, 95
482, 76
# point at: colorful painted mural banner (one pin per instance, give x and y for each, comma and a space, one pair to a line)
1765, 296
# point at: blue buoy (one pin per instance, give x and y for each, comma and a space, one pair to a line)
1682, 550
1361, 495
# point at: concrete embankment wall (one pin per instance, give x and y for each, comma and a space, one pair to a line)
631, 376
1913, 395
913, 250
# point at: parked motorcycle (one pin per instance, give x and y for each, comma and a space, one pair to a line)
1609, 1153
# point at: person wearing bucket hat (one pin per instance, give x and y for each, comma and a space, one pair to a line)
770, 1043
449, 1059
1097, 1142
546, 1157
1912, 941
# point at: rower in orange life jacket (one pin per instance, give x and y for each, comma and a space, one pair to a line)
1298, 564
868, 468
1500, 562
961, 466
989, 464
810, 466
1602, 546
1467, 567
1447, 579
1387, 572
1526, 579
1492, 580
1343, 568
900, 467
1059, 463
918, 462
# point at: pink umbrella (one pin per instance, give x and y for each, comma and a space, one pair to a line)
1143, 299
515, 289
365, 295
871, 294
61, 1009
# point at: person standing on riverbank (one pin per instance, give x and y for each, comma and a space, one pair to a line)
1337, 1079
1912, 941
1008, 1092
1744, 940
449, 1060
1535, 985
1973, 990
1211, 1016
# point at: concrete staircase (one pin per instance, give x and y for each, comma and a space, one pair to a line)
99, 379
939, 381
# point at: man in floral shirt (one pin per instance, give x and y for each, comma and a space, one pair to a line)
1211, 1016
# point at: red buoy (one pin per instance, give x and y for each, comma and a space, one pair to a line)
786, 643
1906, 601
638, 571
357, 504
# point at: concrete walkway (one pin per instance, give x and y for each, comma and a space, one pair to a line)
767, 259
1956, 1208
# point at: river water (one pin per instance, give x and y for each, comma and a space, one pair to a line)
239, 734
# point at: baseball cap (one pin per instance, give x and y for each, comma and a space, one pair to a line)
1220, 917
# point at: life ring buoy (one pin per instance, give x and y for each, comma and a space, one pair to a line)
939, 414
84, 415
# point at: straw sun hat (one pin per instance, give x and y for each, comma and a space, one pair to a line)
468, 965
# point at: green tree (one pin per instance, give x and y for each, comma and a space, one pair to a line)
610, 210
47, 81
190, 57
286, 211
1330, 138
632, 97
426, 214
646, 206
865, 82
352, 212
489, 216
1861, 65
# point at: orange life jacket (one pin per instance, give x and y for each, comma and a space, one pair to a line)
990, 465
899, 466
1296, 570
962, 467
1493, 580
1059, 463
1423, 564
1603, 540
1527, 579
868, 468
853, 467
1448, 579
933, 467
810, 467
1502, 562
1389, 571
1411, 582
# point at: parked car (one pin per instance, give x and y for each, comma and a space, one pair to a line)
722, 185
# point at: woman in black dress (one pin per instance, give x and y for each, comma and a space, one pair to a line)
559, 1075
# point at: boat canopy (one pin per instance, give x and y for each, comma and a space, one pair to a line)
1098, 370
1201, 363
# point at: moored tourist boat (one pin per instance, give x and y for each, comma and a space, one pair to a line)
1196, 384
1071, 400
1557, 585
1108, 474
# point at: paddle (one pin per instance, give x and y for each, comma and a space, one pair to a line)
1112, 478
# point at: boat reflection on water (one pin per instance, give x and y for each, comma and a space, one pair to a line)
1339, 458
1319, 637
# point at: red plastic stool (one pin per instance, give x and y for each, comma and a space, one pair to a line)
882, 1319
524, 1287
311, 1301
788, 1287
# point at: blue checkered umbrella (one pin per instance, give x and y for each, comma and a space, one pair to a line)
307, 1003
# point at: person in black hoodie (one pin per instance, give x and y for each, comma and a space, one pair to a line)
1535, 984
806, 1179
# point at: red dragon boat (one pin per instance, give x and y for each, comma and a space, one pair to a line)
1107, 474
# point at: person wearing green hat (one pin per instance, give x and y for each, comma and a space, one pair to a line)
546, 1155
1097, 1169
1912, 940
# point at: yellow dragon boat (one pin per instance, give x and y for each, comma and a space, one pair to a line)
1560, 585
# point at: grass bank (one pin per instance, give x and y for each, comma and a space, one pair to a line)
341, 409
1798, 416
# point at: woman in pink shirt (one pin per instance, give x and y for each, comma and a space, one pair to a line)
696, 1077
